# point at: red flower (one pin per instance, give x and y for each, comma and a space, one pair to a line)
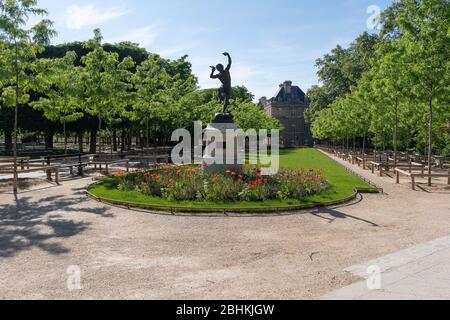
145, 184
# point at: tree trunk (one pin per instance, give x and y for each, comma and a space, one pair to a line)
101, 139
16, 113
93, 141
147, 136
65, 137
114, 138
8, 141
430, 136
364, 145
80, 142
122, 140
49, 140
395, 133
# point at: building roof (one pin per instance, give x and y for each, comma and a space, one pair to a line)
287, 93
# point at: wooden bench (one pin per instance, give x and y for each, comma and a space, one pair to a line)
380, 166
163, 158
51, 169
79, 162
362, 160
22, 162
68, 161
413, 176
108, 163
386, 166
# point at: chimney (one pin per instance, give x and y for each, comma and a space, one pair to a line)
263, 101
287, 86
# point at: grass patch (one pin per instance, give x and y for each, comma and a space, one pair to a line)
343, 185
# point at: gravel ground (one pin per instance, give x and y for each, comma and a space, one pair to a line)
138, 255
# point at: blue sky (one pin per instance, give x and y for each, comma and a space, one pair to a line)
270, 41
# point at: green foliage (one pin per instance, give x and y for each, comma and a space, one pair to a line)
105, 82
400, 97
249, 116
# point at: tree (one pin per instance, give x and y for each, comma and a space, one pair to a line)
249, 116
105, 81
339, 71
59, 80
400, 93
160, 104
20, 44
425, 26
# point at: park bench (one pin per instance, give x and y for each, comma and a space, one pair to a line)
107, 161
69, 161
352, 158
380, 166
156, 155
422, 174
363, 159
22, 162
385, 166
150, 158
52, 169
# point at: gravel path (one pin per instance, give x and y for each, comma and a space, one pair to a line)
137, 255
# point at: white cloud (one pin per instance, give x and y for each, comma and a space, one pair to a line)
170, 52
78, 17
144, 36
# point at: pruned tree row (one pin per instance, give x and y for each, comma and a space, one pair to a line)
390, 90
118, 93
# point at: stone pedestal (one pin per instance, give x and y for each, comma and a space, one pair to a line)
222, 124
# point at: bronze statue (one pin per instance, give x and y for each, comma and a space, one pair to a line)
224, 92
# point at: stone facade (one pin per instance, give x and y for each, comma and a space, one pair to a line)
289, 106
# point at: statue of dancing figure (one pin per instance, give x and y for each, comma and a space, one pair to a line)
224, 92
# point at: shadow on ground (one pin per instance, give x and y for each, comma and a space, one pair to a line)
27, 224
332, 214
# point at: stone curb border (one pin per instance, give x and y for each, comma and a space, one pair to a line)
181, 209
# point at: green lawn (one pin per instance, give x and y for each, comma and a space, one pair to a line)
342, 182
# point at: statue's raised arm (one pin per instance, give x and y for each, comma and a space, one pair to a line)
230, 61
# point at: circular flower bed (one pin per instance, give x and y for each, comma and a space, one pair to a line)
187, 183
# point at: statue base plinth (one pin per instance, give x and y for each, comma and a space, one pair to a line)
223, 122
223, 118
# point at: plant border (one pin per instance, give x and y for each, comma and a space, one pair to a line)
248, 210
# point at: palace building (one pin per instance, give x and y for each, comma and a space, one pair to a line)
289, 106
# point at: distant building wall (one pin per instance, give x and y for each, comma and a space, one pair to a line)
289, 106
